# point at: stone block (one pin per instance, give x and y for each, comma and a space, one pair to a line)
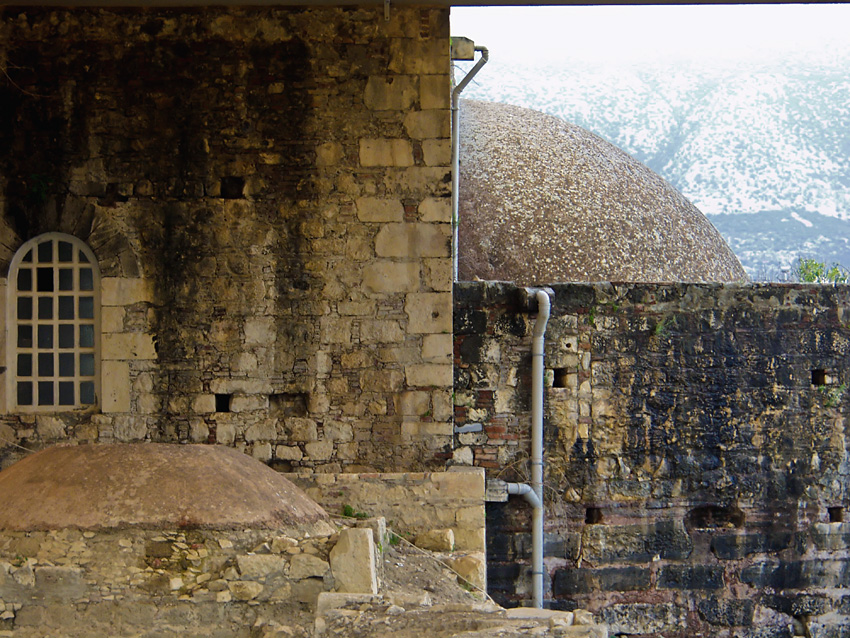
385, 276
260, 330
418, 57
288, 453
436, 209
426, 125
386, 152
129, 427
203, 404
380, 331
245, 589
302, 429
726, 613
353, 562
690, 577
644, 618
379, 210
329, 154
249, 403
413, 240
472, 568
116, 386
735, 546
336, 600
112, 319
59, 583
390, 92
123, 291
199, 431
319, 450
413, 403
429, 374
338, 431
437, 348
436, 540
262, 451
303, 566
258, 566
429, 312
127, 346
49, 428
435, 91
382, 380
265, 430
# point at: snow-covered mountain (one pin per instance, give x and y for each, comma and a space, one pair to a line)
765, 151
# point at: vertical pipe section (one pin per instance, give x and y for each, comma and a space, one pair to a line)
485, 55
538, 341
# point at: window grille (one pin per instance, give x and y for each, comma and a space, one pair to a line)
53, 335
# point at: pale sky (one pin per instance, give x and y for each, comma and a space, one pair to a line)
719, 32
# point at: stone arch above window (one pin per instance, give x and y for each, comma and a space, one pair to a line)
53, 326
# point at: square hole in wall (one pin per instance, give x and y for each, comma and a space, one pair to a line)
560, 378
818, 377
288, 404
836, 514
222, 402
593, 516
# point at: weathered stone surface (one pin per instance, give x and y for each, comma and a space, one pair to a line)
303, 566
353, 562
436, 540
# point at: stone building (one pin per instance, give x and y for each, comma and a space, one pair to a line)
232, 226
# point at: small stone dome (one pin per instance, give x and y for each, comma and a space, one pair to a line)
154, 486
544, 201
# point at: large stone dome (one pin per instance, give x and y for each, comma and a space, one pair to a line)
544, 201
153, 486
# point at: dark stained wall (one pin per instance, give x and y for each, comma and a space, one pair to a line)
696, 475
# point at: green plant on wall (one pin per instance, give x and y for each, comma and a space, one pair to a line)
833, 395
812, 271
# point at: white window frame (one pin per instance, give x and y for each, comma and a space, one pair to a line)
56, 350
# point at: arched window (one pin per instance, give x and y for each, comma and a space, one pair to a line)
53, 336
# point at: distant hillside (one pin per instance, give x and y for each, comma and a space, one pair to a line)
772, 142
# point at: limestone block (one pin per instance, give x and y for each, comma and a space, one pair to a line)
425, 125
437, 152
385, 152
429, 312
112, 318
116, 386
303, 566
49, 428
129, 428
428, 374
436, 209
381, 331
59, 583
203, 404
199, 431
265, 430
413, 240
435, 91
288, 453
419, 57
437, 348
385, 276
124, 291
338, 431
378, 209
257, 566
335, 329
260, 330
353, 562
247, 403
470, 539
382, 380
442, 402
245, 589
462, 456
319, 450
436, 540
438, 274
302, 429
390, 92
472, 568
127, 346
413, 403
225, 432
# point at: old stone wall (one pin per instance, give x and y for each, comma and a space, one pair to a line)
267, 194
696, 463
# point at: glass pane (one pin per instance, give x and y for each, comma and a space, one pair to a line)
87, 336
45, 392
24, 393
86, 364
66, 393
66, 364
45, 307
24, 308
83, 258
66, 336
45, 364
24, 365
25, 279
45, 337
25, 336
66, 307
87, 392
86, 279
44, 279
66, 279
45, 252
28, 257
66, 251
86, 307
